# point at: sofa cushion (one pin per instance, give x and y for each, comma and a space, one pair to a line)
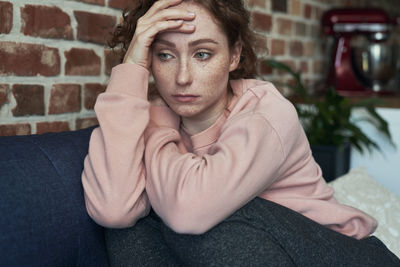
43, 217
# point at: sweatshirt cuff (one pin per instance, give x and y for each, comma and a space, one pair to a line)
130, 79
163, 116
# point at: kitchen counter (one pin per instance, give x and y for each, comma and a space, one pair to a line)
388, 101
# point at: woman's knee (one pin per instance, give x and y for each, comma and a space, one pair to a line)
233, 242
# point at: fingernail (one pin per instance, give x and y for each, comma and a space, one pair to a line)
190, 26
191, 14
179, 21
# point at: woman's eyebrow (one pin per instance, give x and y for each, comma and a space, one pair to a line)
201, 41
193, 43
165, 42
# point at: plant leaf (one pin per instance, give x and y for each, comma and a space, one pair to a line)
329, 122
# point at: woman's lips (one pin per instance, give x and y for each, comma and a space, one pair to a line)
185, 98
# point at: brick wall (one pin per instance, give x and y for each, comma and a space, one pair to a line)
292, 33
54, 61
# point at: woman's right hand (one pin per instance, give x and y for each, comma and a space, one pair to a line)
162, 16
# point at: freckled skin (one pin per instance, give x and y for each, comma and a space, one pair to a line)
201, 70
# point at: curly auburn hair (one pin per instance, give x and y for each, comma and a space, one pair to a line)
232, 16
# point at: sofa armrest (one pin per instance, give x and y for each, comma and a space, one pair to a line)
43, 218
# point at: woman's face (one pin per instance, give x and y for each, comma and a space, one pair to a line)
191, 71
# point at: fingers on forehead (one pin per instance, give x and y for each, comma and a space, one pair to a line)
161, 4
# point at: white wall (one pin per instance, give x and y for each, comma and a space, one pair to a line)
383, 167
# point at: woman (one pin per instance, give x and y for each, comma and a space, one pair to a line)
222, 162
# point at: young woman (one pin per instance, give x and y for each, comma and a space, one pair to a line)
217, 169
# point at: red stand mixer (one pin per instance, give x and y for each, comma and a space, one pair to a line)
365, 54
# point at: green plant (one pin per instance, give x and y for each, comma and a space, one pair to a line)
327, 119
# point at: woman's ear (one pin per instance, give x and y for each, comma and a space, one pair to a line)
236, 51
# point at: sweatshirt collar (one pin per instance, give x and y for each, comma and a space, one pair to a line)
211, 134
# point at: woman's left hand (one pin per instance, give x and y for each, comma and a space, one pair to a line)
162, 16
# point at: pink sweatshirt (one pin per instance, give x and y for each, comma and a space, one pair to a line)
140, 155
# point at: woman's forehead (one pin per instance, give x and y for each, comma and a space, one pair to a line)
206, 26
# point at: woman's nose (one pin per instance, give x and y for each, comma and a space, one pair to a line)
184, 75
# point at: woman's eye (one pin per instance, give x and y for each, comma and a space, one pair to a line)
164, 56
203, 55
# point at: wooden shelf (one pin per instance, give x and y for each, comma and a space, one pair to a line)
388, 101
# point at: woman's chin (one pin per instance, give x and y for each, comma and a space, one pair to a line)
185, 112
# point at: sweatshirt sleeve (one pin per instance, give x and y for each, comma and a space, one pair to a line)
192, 193
114, 175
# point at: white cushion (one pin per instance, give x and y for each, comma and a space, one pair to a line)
359, 190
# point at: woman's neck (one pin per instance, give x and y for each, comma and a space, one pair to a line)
196, 125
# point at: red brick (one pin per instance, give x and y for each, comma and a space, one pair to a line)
307, 11
82, 62
279, 5
23, 59
15, 129
29, 98
277, 47
4, 93
65, 98
91, 91
301, 28
96, 2
309, 49
95, 28
264, 68
291, 81
86, 123
6, 17
284, 26
260, 45
46, 22
112, 58
290, 63
318, 12
121, 4
261, 21
296, 48
295, 7
304, 67
53, 127
318, 66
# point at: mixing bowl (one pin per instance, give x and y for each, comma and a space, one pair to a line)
375, 63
